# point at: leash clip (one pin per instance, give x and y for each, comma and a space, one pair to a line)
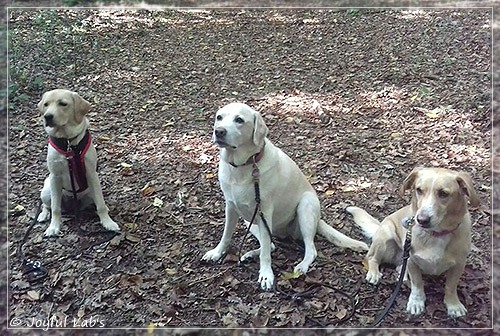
255, 171
408, 222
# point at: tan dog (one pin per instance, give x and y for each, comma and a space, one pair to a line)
64, 118
289, 202
441, 235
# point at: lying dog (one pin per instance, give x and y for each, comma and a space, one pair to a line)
441, 235
289, 203
70, 144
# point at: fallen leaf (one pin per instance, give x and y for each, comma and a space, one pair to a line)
33, 295
341, 314
133, 239
131, 226
294, 275
151, 328
329, 192
170, 271
116, 240
432, 114
157, 202
148, 191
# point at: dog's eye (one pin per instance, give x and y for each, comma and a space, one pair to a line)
443, 194
219, 117
419, 191
46, 104
239, 120
63, 103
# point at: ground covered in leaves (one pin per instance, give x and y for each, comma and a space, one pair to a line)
357, 98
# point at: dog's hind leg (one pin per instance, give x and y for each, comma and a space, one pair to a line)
308, 216
102, 209
254, 230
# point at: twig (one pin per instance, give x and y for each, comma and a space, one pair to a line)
205, 279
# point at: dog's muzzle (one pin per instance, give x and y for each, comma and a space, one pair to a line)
424, 221
219, 137
49, 120
220, 133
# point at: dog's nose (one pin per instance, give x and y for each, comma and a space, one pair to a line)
49, 119
424, 220
220, 132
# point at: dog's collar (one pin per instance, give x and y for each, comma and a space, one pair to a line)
407, 222
252, 159
63, 145
444, 233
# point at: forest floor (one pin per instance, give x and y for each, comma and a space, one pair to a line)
357, 98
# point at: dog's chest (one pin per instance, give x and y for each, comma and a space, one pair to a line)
433, 259
242, 196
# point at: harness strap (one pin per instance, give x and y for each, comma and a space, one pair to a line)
76, 159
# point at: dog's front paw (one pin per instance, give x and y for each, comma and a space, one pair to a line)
266, 279
373, 276
416, 304
214, 255
44, 215
110, 225
456, 310
52, 230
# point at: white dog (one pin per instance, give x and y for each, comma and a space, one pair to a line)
65, 122
289, 203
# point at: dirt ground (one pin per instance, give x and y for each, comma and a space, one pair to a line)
357, 98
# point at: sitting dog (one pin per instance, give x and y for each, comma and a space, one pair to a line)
288, 202
71, 160
441, 234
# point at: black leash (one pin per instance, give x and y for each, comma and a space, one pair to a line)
32, 270
256, 179
408, 223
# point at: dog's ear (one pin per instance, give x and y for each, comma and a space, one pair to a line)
466, 186
409, 181
82, 107
260, 130
41, 102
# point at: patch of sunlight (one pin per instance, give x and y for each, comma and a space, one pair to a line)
415, 14
197, 150
388, 96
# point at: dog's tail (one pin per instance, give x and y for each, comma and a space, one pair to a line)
364, 220
340, 239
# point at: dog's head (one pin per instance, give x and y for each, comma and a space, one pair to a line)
61, 108
439, 197
238, 125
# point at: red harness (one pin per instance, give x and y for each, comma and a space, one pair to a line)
76, 159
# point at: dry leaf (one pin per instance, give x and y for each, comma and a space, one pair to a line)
33, 295
157, 202
148, 191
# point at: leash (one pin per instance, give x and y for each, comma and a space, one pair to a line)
256, 179
408, 224
32, 270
